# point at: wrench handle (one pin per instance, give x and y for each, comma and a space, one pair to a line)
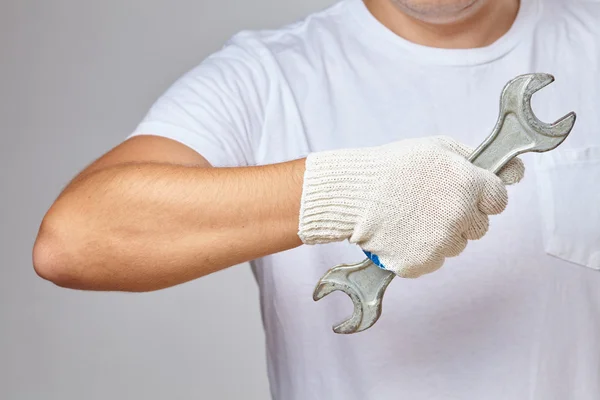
506, 141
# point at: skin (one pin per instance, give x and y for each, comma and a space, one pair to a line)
440, 11
152, 213
457, 24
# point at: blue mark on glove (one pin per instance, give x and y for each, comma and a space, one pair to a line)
375, 259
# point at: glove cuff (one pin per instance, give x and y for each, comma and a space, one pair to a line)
336, 192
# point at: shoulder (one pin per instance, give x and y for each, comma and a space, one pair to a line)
570, 30
312, 28
578, 16
590, 9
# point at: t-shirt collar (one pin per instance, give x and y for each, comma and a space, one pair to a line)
524, 24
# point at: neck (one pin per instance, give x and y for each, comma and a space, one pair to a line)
482, 26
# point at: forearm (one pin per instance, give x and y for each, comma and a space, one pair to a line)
139, 227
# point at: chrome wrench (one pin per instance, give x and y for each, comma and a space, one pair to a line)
517, 131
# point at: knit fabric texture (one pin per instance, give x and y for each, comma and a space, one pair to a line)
411, 203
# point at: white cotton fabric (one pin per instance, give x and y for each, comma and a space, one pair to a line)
412, 203
517, 314
567, 208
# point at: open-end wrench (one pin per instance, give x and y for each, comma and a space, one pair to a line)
517, 131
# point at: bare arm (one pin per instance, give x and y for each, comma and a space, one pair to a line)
152, 213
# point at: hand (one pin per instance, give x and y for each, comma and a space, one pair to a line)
413, 202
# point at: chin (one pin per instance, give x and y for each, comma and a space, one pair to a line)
439, 11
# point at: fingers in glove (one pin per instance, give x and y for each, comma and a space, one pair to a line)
512, 172
457, 246
478, 228
415, 268
494, 197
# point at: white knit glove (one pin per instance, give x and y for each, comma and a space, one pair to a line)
411, 203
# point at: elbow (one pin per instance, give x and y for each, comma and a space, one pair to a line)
51, 260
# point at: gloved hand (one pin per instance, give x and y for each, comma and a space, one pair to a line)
412, 203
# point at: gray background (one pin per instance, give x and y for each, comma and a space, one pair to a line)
76, 77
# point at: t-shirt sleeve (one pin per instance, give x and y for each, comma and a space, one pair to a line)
215, 108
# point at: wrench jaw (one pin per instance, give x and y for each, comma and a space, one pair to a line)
556, 132
365, 284
352, 324
517, 128
564, 125
517, 94
535, 82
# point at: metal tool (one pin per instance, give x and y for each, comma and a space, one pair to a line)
517, 131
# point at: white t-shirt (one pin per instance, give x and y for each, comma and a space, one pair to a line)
517, 315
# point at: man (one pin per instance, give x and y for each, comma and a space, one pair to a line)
348, 131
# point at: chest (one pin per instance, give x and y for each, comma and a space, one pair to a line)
363, 105
374, 112
363, 101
